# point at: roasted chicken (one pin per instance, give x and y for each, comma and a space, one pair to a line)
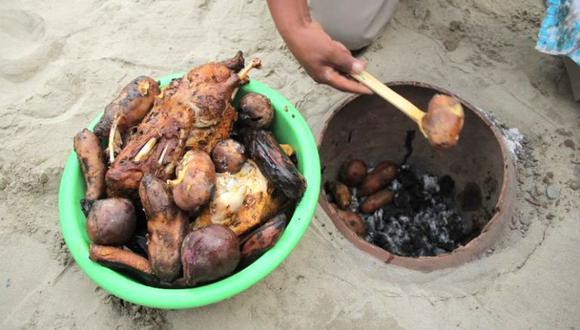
193, 113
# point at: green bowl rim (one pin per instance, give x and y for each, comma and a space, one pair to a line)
118, 285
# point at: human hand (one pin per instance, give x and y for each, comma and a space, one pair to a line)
326, 61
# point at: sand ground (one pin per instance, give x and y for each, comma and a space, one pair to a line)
62, 61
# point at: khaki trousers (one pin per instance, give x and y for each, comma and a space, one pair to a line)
354, 23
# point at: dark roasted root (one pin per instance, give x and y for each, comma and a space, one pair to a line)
90, 155
262, 239
256, 111
274, 163
111, 221
353, 221
195, 181
377, 201
340, 193
228, 156
123, 261
131, 106
377, 179
166, 228
209, 254
353, 172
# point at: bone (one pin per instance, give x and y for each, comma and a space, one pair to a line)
146, 150
143, 87
113, 134
244, 73
162, 157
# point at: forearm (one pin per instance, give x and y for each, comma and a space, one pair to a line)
288, 15
324, 59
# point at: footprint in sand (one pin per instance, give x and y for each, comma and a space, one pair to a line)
26, 48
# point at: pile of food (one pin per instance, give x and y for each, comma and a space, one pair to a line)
400, 209
181, 188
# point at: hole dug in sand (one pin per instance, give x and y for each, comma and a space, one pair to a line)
446, 207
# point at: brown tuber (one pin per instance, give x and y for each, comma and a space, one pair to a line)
195, 181
443, 122
378, 178
256, 111
228, 156
130, 106
111, 221
209, 253
262, 239
166, 228
353, 221
376, 201
353, 172
123, 261
340, 193
90, 155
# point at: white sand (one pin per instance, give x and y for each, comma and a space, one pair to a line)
62, 62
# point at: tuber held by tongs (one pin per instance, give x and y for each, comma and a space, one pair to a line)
441, 124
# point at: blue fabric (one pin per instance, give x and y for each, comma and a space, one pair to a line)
560, 30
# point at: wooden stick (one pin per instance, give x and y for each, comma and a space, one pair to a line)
391, 96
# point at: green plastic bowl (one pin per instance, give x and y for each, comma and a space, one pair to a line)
289, 127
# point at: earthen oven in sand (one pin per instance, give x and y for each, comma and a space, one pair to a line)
480, 166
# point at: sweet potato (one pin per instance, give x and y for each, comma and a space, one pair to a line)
123, 261
378, 178
90, 155
376, 201
340, 193
130, 106
353, 172
262, 239
353, 221
166, 228
195, 181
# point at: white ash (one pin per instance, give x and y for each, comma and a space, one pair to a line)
421, 221
354, 202
513, 140
512, 137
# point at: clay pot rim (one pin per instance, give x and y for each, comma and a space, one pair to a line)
473, 249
